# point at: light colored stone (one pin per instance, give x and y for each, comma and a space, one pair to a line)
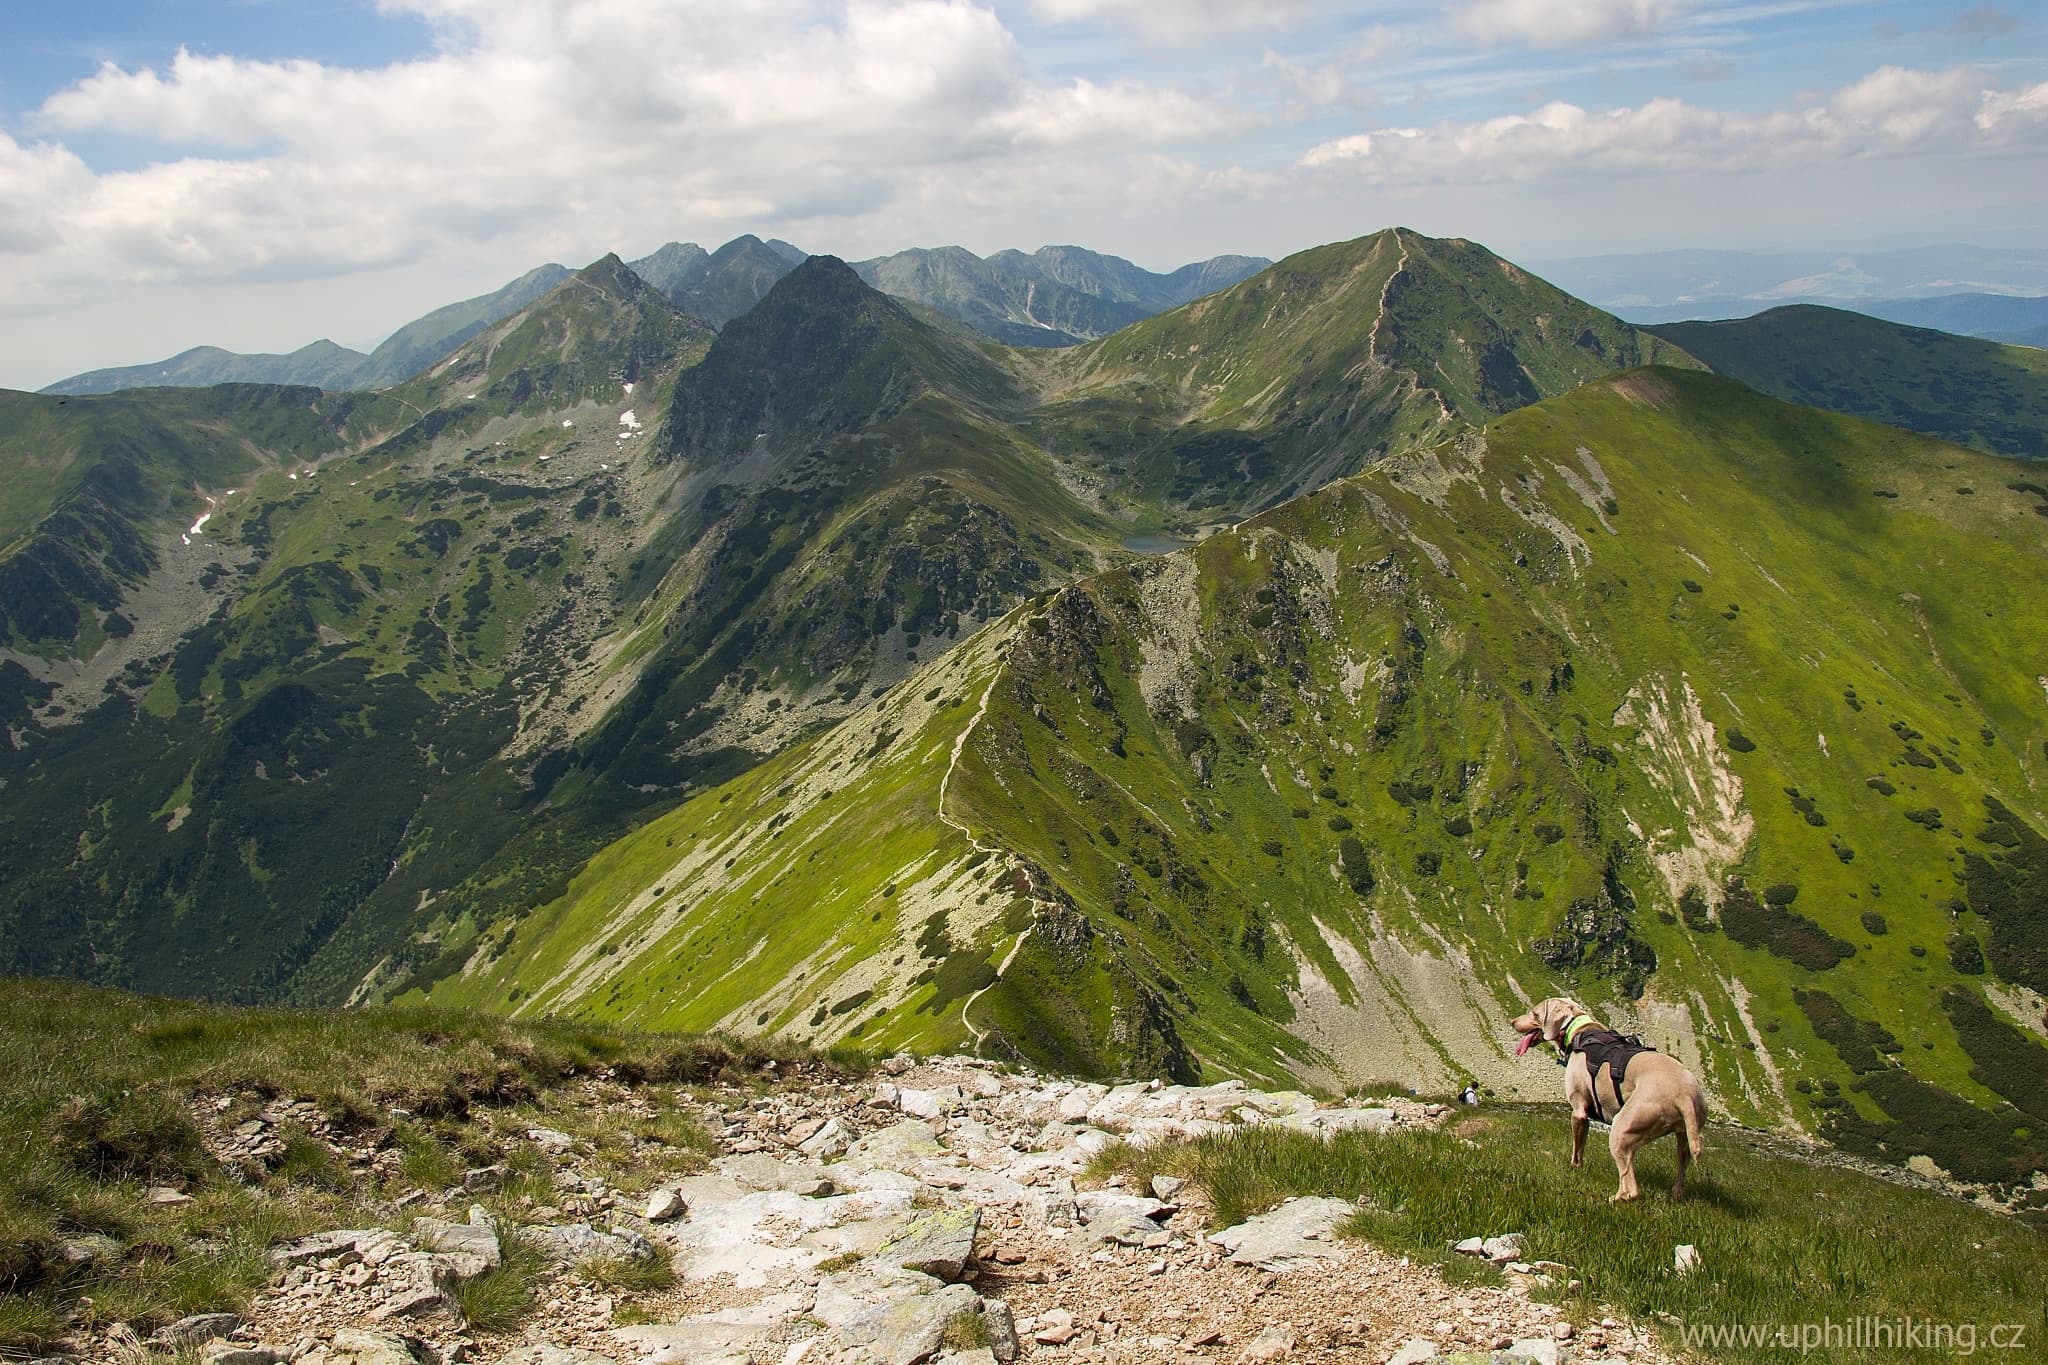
665, 1205
1501, 1250
576, 1243
1413, 1351
1471, 1246
1541, 1350
354, 1346
1167, 1187
940, 1244
897, 1145
478, 1241
232, 1353
907, 1330
201, 1327
483, 1179
163, 1195
1685, 1258
1298, 1234
544, 1354
1274, 1342
1002, 1330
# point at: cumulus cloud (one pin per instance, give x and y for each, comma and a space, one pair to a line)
1560, 23
1179, 21
534, 114
1892, 111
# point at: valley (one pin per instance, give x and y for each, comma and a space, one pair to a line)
798, 671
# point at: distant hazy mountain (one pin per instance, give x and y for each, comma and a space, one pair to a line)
1704, 284
1976, 393
402, 355
322, 363
1056, 296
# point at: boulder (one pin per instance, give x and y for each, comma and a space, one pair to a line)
906, 1330
897, 1145
1501, 1250
576, 1243
1002, 1330
552, 1355
353, 1346
724, 1335
1167, 1187
230, 1353
939, 1244
1330, 1122
1413, 1351
476, 1242
200, 1327
666, 1204
1294, 1236
483, 1179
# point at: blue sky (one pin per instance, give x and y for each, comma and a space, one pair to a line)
255, 173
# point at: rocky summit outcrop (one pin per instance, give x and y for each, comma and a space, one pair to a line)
941, 1211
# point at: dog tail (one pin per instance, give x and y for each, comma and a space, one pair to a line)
1695, 1120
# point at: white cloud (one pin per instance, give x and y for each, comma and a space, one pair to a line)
1560, 23
1180, 21
1891, 112
535, 115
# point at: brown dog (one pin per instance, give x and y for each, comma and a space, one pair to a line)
1656, 1095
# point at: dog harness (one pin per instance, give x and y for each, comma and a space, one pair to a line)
1603, 1047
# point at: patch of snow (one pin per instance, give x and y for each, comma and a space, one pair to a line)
628, 387
629, 421
567, 423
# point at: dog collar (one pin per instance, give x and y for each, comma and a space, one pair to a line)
1571, 1030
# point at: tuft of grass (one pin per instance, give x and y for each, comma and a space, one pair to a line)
505, 1295
1782, 1240
967, 1332
630, 1274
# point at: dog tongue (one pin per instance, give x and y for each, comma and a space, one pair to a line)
1527, 1041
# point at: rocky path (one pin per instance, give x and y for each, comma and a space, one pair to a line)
937, 1213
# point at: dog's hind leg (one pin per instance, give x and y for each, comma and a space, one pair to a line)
1579, 1124
1684, 1160
1621, 1144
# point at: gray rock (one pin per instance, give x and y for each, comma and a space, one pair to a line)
228, 1353
1541, 1350
759, 1171
482, 1179
1330, 1122
1294, 1236
907, 1330
552, 1355
201, 1327
1126, 1230
475, 1240
1501, 1250
1002, 1330
353, 1346
321, 1245
666, 1205
1470, 1246
91, 1248
897, 1145
1166, 1187
939, 1244
576, 1243
165, 1195
705, 1338
1413, 1351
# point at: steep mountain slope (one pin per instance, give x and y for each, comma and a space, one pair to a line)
401, 355
720, 285
452, 663
1056, 296
1719, 713
90, 484
1315, 367
1976, 393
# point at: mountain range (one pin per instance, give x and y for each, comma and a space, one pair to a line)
1054, 297
813, 674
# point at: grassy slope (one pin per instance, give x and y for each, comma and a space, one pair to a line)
106, 1106
1782, 1240
1315, 366
1172, 758
1976, 393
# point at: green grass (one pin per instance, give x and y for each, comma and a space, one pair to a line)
1782, 1240
96, 1105
1977, 393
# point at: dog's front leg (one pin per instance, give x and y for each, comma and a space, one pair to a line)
1579, 1125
